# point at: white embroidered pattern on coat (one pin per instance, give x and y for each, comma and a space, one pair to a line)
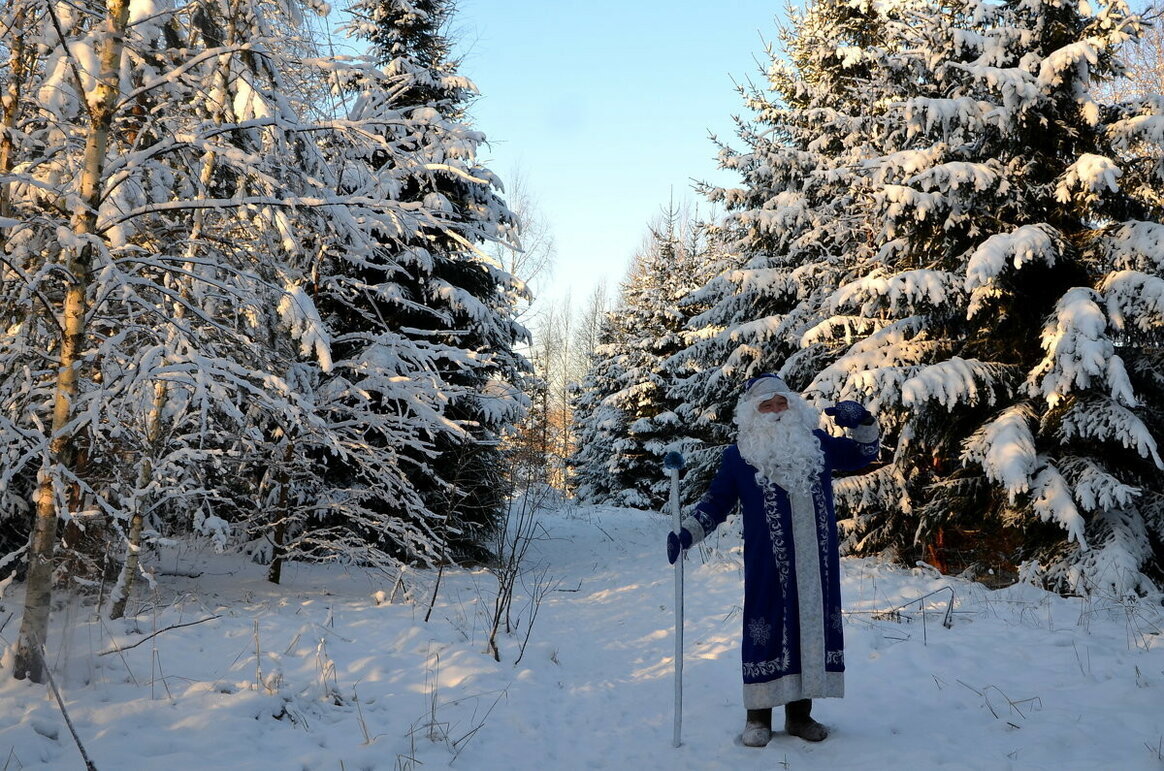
772, 494
821, 514
760, 631
768, 669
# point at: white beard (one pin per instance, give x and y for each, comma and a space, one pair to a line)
781, 445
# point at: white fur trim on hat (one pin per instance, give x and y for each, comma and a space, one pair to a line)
767, 386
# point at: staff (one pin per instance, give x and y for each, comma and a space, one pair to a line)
673, 462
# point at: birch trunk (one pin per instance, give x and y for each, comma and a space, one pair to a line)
28, 660
10, 103
133, 546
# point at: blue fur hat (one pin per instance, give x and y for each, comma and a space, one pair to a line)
765, 385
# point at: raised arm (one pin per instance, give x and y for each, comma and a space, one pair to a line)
862, 442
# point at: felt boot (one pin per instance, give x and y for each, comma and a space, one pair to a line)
798, 723
758, 729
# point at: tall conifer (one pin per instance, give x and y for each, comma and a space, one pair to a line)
441, 289
626, 414
988, 281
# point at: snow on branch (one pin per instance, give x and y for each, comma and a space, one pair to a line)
960, 119
461, 300
760, 330
874, 369
905, 163
867, 492
298, 311
900, 200
1080, 354
1134, 299
1075, 58
1104, 419
1135, 245
1121, 547
768, 282
1053, 502
896, 294
839, 329
1019, 247
957, 175
1128, 133
1096, 489
1005, 449
457, 171
956, 381
1090, 176
1019, 89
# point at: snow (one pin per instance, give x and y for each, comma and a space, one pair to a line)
1018, 89
1107, 420
1098, 490
874, 370
1126, 133
900, 199
1079, 352
959, 118
1077, 58
1026, 244
1134, 299
1052, 501
140, 10
1137, 245
951, 382
1005, 448
335, 669
896, 294
1091, 173
299, 313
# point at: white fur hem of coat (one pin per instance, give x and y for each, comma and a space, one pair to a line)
790, 688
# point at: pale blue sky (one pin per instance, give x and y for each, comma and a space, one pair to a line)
604, 106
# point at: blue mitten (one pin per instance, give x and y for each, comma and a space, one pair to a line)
677, 543
849, 414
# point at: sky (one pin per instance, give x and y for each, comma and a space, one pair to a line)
604, 109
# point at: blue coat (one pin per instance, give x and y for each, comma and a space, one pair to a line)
793, 644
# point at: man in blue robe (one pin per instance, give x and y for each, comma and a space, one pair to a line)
779, 472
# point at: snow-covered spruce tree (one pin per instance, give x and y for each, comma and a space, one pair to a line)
1015, 293
794, 228
624, 408
439, 288
597, 424
351, 404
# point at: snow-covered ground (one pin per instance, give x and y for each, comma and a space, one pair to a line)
325, 672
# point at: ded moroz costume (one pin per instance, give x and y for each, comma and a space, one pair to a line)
779, 472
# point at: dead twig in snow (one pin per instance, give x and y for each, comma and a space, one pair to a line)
459, 744
155, 634
1035, 701
436, 588
65, 713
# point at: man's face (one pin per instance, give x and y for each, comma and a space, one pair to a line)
772, 405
